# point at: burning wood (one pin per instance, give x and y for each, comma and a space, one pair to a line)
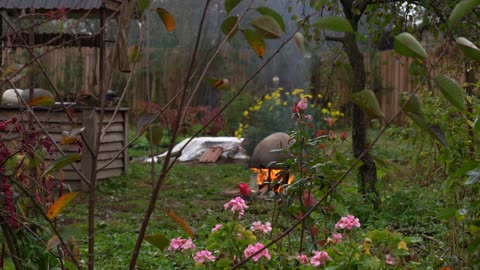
265, 162
272, 179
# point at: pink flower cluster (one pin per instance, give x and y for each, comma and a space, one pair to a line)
319, 258
237, 205
181, 244
216, 228
301, 105
257, 226
347, 222
337, 238
252, 249
204, 255
302, 259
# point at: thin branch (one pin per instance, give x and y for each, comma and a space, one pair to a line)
157, 186
335, 39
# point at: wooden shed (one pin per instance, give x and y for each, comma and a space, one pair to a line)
110, 163
112, 157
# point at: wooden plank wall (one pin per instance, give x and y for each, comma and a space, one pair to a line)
55, 122
167, 79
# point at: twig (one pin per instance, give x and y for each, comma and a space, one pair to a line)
164, 171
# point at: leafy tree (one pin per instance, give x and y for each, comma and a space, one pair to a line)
375, 18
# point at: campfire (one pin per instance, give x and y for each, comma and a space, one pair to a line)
265, 162
272, 179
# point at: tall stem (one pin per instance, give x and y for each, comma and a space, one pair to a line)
166, 163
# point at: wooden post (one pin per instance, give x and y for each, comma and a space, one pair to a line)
89, 117
101, 68
125, 141
31, 42
1, 42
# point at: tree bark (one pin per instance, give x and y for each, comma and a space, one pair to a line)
368, 170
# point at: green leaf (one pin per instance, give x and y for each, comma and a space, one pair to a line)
368, 102
155, 132
143, 5
267, 26
256, 42
452, 91
272, 13
462, 9
433, 130
61, 163
334, 23
474, 245
476, 125
231, 4
157, 240
460, 214
9, 70
228, 25
407, 45
468, 48
413, 104
413, 239
166, 18
134, 54
446, 213
66, 232
473, 177
319, 4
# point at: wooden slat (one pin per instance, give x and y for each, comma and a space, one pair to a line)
72, 176
211, 154
112, 137
118, 163
115, 127
111, 146
101, 155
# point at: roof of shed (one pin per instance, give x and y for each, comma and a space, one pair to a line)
56, 4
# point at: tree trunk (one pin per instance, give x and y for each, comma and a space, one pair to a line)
368, 171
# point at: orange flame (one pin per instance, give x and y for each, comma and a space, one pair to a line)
272, 175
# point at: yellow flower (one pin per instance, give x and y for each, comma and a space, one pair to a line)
329, 104
245, 113
284, 104
367, 244
402, 245
325, 111
319, 96
297, 92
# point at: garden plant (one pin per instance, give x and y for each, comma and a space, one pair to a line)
335, 215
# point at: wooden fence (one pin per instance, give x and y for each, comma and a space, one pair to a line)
74, 69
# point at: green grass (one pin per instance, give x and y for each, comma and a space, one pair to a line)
197, 193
